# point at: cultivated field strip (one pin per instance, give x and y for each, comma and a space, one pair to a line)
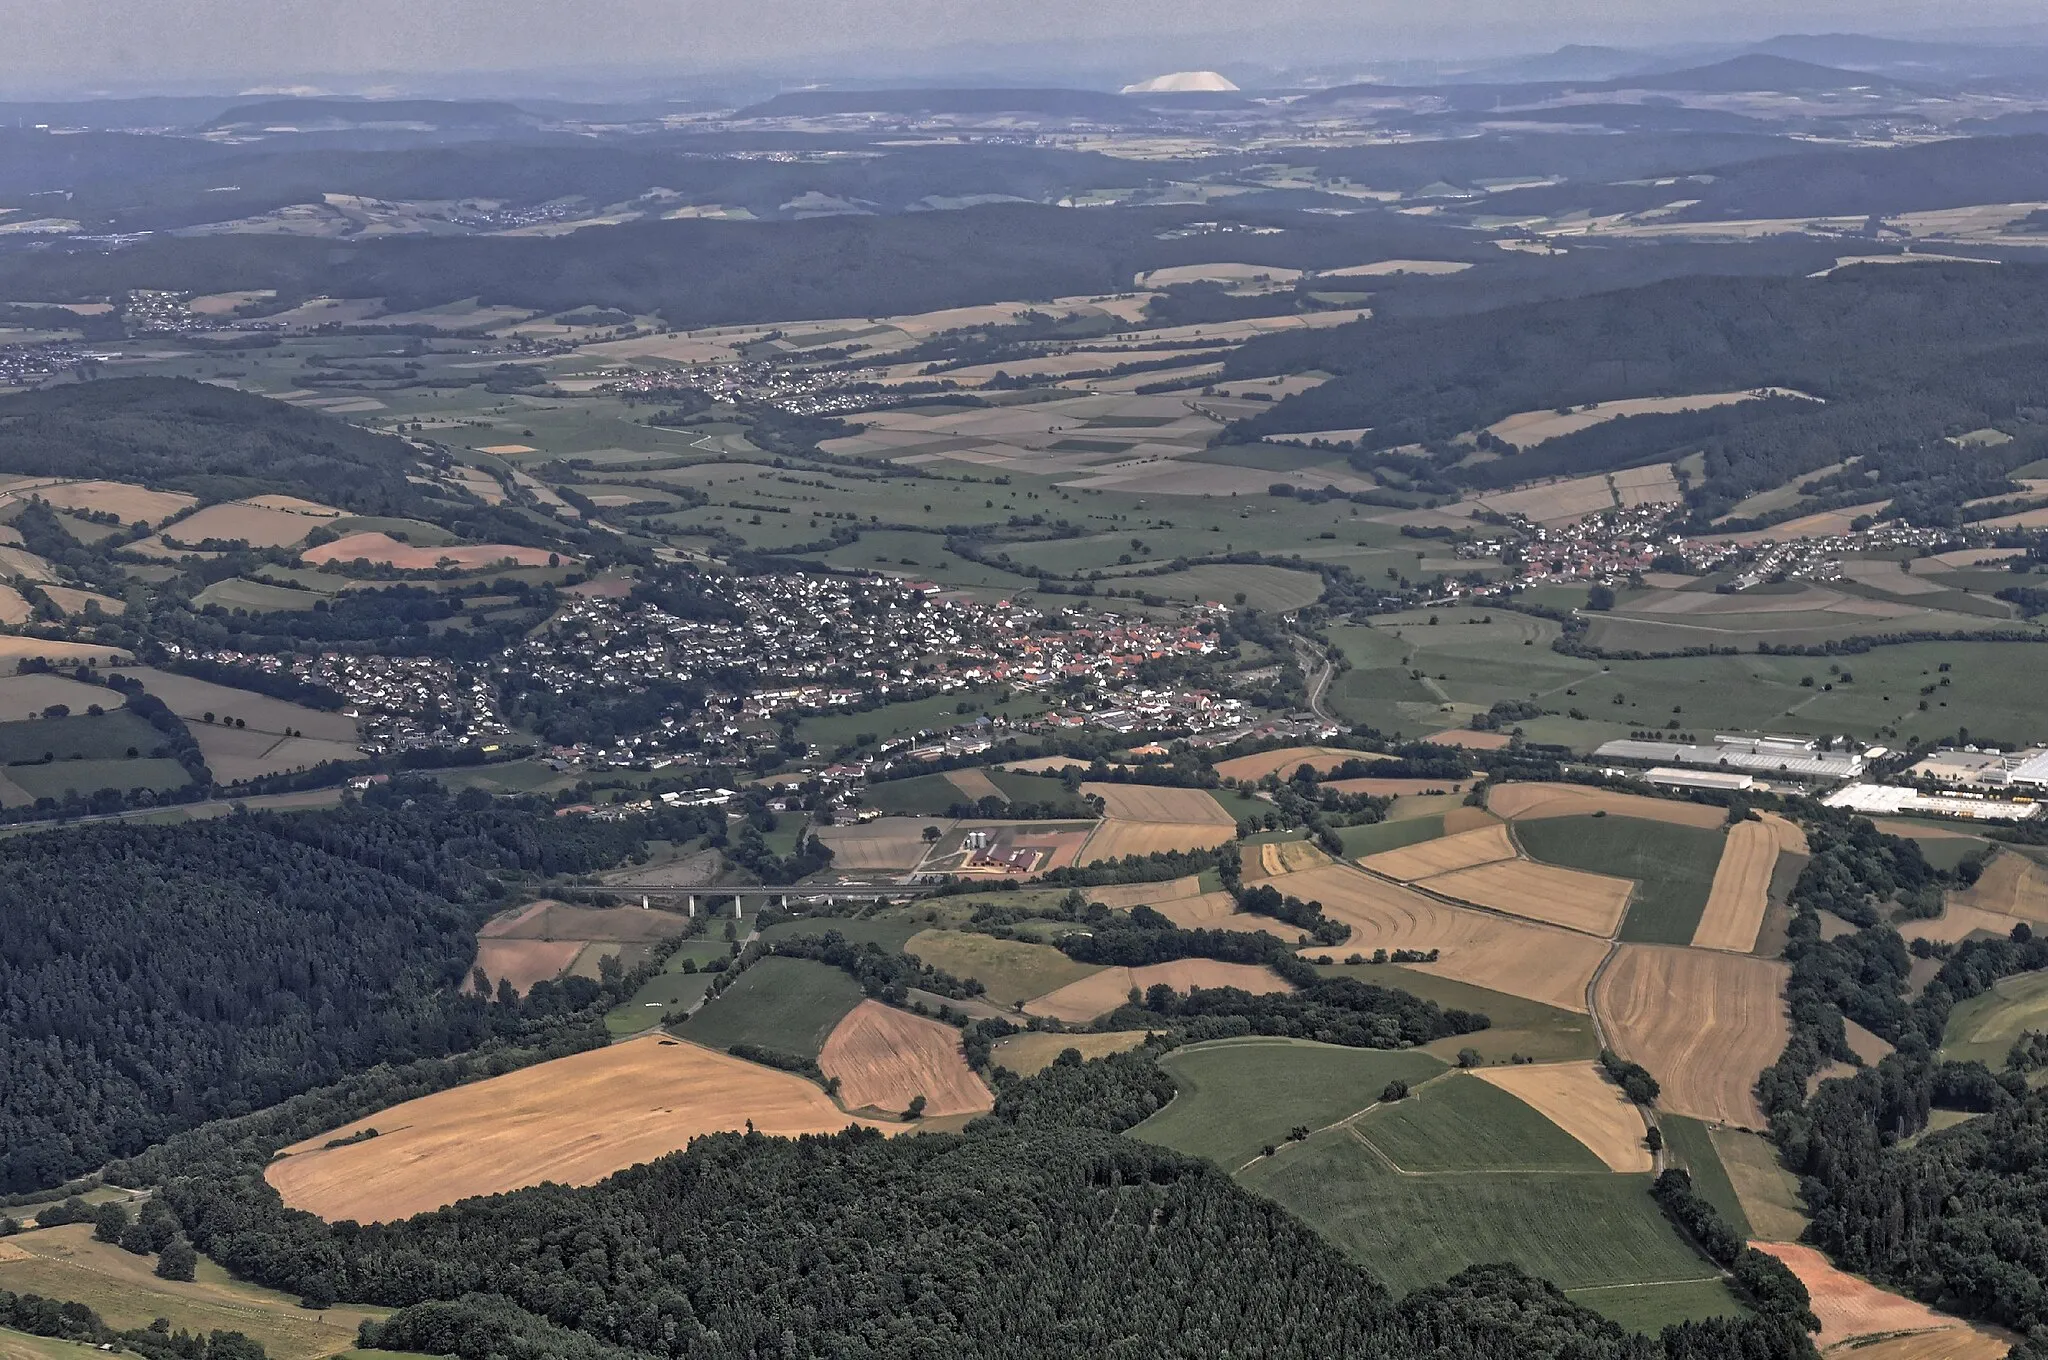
975, 785
1209, 910
1538, 962
1127, 895
1285, 761
1079, 1002
1447, 854
884, 1057
1851, 1307
1518, 801
574, 1120
1741, 891
1114, 838
1704, 1022
1579, 1099
1572, 898
1147, 803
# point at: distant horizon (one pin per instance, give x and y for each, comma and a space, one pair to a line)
120, 49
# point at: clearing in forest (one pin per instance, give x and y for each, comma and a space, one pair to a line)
884, 1057
1102, 992
1540, 963
574, 1120
1429, 858
1706, 1024
1579, 1098
1741, 891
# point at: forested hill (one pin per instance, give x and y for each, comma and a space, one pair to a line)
153, 977
1901, 355
213, 441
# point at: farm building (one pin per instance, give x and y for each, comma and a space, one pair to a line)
1715, 780
1796, 757
1885, 798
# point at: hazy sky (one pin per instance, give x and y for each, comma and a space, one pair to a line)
137, 44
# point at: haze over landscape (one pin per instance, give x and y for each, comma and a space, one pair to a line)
1124, 679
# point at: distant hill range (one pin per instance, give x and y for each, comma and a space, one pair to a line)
325, 114
1754, 73
1053, 103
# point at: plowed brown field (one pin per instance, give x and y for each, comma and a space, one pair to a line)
1426, 859
1585, 1104
1741, 892
1541, 963
1572, 898
1705, 1023
1100, 993
525, 962
1848, 1306
575, 1120
883, 1057
1573, 800
1146, 803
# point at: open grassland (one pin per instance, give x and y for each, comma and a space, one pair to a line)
110, 736
1768, 1193
24, 697
1534, 802
125, 499
575, 1120
193, 699
1148, 803
1011, 970
1285, 761
1578, 1229
1673, 866
1429, 858
1690, 1144
1114, 838
786, 1004
89, 776
1375, 838
1395, 788
1848, 1306
1462, 1123
1580, 1099
891, 932
884, 1057
1103, 991
1652, 1307
1541, 963
1592, 903
552, 920
1030, 1053
66, 1263
1238, 1096
1705, 1024
1984, 1028
1741, 889
681, 983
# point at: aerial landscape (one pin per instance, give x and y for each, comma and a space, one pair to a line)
686, 680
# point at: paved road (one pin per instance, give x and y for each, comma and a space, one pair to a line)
1319, 671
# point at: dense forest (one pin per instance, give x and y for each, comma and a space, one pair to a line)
1898, 358
154, 977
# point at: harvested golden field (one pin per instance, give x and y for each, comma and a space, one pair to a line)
574, 1120
1207, 909
192, 699
1115, 838
1395, 788
551, 920
2011, 885
1572, 898
975, 785
1523, 959
1949, 1343
382, 548
1148, 803
130, 502
1461, 819
1426, 859
1297, 857
1791, 839
1127, 895
1079, 1002
885, 843
1469, 740
1706, 1023
14, 607
1515, 801
1029, 1054
525, 962
14, 650
1848, 1306
258, 526
1579, 1098
72, 601
26, 696
1956, 923
883, 1057
1742, 881
1285, 761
